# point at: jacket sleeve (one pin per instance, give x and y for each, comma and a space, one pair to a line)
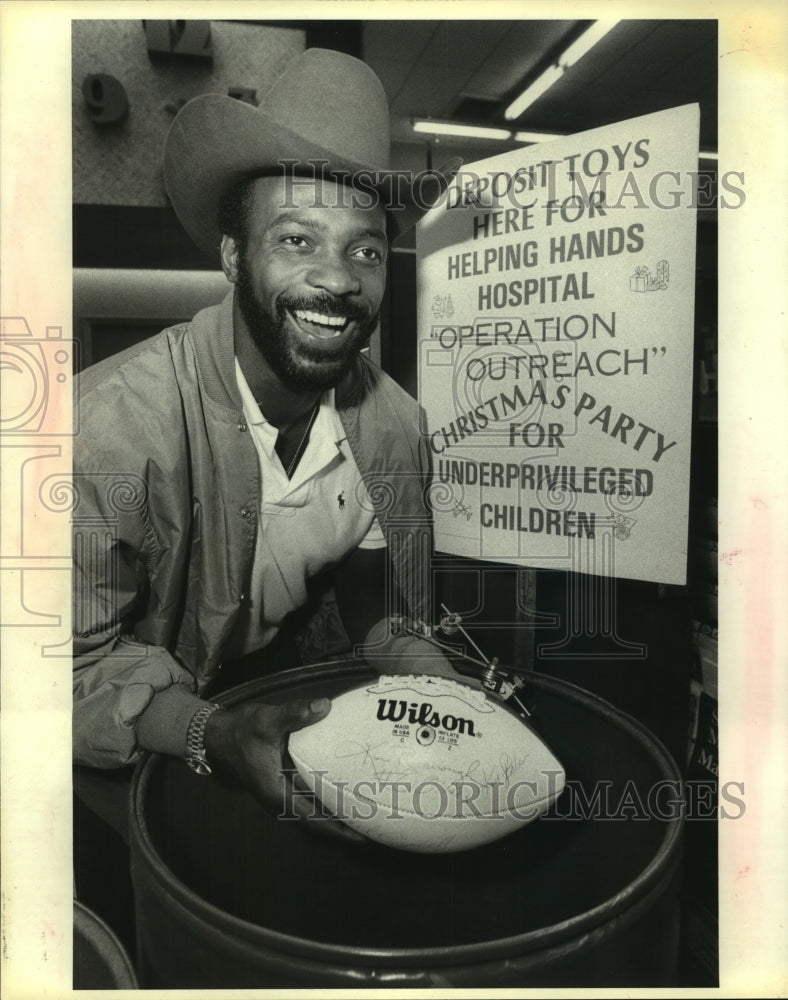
117, 677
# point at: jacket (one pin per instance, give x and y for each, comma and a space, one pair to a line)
167, 491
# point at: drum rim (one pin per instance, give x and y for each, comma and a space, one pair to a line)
98, 934
658, 871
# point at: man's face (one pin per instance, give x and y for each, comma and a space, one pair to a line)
310, 279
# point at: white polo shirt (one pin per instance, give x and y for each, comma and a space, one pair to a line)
306, 523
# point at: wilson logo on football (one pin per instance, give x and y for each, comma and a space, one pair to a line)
391, 710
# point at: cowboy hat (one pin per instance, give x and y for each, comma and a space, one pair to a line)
326, 109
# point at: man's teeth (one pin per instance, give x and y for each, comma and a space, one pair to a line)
336, 322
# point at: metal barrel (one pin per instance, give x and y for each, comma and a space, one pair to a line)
227, 896
100, 961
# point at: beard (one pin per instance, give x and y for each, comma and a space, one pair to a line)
299, 365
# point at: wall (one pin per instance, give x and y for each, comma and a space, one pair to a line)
121, 164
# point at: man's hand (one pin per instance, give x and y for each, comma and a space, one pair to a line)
360, 588
409, 653
250, 742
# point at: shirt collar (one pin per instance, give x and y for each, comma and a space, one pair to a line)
327, 415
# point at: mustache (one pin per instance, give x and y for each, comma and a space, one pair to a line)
324, 304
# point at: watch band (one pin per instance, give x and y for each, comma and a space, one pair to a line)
195, 739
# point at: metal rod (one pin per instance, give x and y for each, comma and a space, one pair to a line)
487, 662
449, 649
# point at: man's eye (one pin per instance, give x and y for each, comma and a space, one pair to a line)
369, 253
295, 241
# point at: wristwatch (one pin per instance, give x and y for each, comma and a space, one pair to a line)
195, 739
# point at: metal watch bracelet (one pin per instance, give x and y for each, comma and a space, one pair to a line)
195, 739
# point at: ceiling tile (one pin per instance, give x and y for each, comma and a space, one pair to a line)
566, 109
667, 45
393, 75
610, 75
526, 47
463, 43
430, 90
492, 85
643, 65
696, 74
527, 34
522, 47
396, 39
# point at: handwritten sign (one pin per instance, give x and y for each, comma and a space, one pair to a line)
556, 290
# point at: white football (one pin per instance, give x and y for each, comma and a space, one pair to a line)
426, 763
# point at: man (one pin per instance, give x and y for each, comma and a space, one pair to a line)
228, 463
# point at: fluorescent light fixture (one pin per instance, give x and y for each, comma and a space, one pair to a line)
464, 131
573, 54
536, 136
586, 42
534, 92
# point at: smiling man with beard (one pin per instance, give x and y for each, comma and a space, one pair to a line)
309, 337
234, 461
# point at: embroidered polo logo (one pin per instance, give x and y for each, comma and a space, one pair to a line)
341, 500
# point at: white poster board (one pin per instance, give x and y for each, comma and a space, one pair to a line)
556, 290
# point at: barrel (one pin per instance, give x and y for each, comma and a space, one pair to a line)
100, 961
227, 896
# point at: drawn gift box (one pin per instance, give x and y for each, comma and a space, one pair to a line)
638, 282
623, 526
663, 273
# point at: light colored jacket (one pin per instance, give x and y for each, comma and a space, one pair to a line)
167, 492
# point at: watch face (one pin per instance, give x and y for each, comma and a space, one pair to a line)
198, 765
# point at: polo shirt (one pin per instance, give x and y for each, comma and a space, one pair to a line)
305, 524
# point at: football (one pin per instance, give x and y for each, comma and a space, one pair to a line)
426, 763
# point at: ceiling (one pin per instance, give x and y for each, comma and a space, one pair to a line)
471, 70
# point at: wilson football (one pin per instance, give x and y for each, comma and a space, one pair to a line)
426, 763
